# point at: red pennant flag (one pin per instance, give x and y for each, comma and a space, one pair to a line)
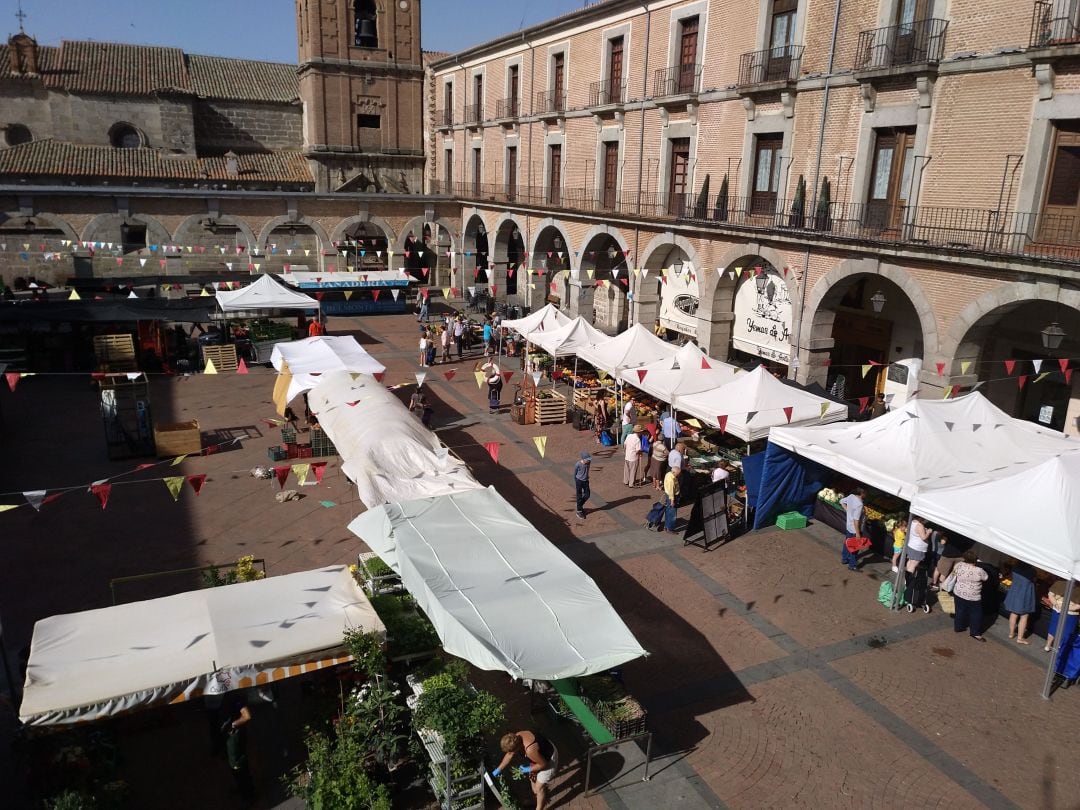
785, 272
508, 375
378, 375
318, 467
787, 412
119, 262
873, 362
1009, 366
492, 289
12, 378
353, 404
705, 363
827, 361
319, 295
449, 375
1068, 376
940, 368
1064, 363
144, 467
210, 450
375, 294
493, 450
241, 367
424, 292
197, 482
101, 492
97, 375
723, 423
282, 474
476, 274
1022, 379
641, 372
862, 403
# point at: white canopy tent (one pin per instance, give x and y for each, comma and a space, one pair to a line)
630, 349
568, 338
754, 404
498, 592
264, 293
928, 444
384, 449
688, 371
305, 361
547, 318
94, 664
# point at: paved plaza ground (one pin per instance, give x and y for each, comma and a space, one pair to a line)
774, 676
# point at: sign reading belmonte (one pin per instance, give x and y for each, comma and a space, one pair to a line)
763, 317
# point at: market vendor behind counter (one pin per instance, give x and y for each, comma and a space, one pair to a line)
881, 512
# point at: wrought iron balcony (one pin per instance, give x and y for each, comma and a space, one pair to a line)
770, 66
444, 119
678, 80
1054, 22
507, 108
607, 93
474, 113
548, 102
914, 43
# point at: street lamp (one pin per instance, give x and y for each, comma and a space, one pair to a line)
877, 301
762, 281
1052, 336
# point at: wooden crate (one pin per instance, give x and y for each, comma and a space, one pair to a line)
585, 399
223, 357
551, 410
115, 353
178, 439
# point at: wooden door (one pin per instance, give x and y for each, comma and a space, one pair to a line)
766, 179
478, 98
1058, 222
688, 47
477, 171
554, 174
511, 173
448, 104
448, 170
558, 81
611, 174
781, 40
615, 71
514, 91
911, 40
679, 178
891, 177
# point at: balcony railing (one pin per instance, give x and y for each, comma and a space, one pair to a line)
549, 101
1055, 22
474, 113
602, 94
444, 119
678, 80
912, 43
508, 108
962, 230
770, 65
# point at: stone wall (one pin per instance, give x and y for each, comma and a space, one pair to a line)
247, 127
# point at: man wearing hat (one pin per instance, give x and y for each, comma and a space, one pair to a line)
581, 482
632, 448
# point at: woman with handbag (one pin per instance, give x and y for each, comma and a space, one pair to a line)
601, 417
967, 581
1020, 600
657, 465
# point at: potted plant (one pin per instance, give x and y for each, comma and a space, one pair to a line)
823, 215
461, 715
796, 219
720, 212
702, 206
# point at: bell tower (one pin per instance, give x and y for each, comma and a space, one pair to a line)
361, 83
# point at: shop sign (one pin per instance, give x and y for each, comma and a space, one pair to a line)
763, 318
679, 301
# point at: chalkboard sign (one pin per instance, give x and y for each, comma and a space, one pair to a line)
708, 517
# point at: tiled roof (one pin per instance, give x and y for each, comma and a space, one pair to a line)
48, 157
141, 70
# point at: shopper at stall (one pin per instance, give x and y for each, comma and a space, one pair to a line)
581, 482
670, 498
493, 378
459, 334
489, 343
628, 414
658, 465
952, 551
968, 595
853, 525
631, 452
898, 539
918, 543
1020, 601
539, 753
445, 338
425, 342
1054, 600
669, 427
601, 416
422, 312
234, 728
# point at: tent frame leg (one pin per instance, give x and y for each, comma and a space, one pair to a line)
1051, 668
596, 749
901, 564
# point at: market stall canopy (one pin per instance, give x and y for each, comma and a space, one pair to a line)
89, 665
688, 371
630, 349
384, 449
305, 361
755, 403
544, 319
568, 338
500, 595
306, 280
1032, 515
265, 293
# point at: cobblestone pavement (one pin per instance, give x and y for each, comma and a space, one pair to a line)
774, 676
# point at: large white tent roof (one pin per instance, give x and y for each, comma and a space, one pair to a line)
688, 371
568, 338
1033, 515
264, 293
98, 663
499, 593
928, 444
308, 359
548, 317
384, 449
630, 349
754, 404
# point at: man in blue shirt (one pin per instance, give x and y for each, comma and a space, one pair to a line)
669, 427
581, 482
487, 334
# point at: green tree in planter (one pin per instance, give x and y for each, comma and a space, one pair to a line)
377, 721
701, 207
721, 211
462, 715
334, 777
798, 205
367, 651
823, 215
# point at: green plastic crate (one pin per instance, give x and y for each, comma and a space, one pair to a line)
791, 520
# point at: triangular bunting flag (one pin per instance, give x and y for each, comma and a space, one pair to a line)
210, 367
197, 482
318, 467
132, 294
493, 450
964, 366
177, 460
204, 293
12, 378
866, 369
1063, 363
750, 416
1009, 366
301, 472
35, 498
949, 426
74, 296
375, 294
241, 367
1044, 374
940, 368
446, 292
722, 421
541, 444
787, 412
863, 401
507, 376
101, 492
449, 375
1022, 379
420, 377
1068, 376
348, 294
282, 474
536, 375
641, 372
1038, 365
394, 292
824, 409
479, 378
174, 485
378, 375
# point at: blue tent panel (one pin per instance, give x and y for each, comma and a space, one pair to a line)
752, 468
788, 483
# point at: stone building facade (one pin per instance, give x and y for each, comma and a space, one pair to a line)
832, 187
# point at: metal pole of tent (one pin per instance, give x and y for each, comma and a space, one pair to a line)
901, 563
1063, 616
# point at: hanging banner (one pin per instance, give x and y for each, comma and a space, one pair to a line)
762, 324
679, 302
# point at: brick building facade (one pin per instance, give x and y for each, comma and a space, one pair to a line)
830, 186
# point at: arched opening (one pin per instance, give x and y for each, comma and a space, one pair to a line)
762, 317
474, 259
1018, 367
365, 25
15, 134
604, 263
125, 136
420, 259
364, 247
550, 257
510, 254
674, 301
300, 245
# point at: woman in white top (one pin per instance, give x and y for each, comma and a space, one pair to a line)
425, 341
918, 543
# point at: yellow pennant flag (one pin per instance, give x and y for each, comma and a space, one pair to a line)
532, 286
74, 296
590, 271
824, 409
177, 460
175, 484
446, 293
212, 369
204, 293
541, 444
348, 294
964, 366
5, 506
479, 379
694, 423
866, 369
1040, 376
637, 271
601, 374
301, 472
